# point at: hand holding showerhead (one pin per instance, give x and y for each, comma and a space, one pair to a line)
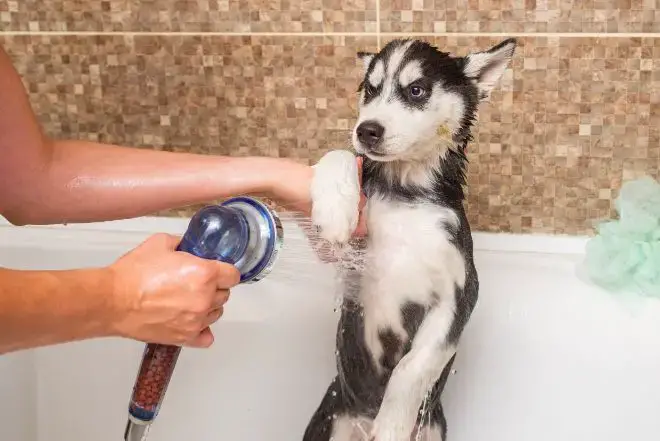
165, 296
242, 232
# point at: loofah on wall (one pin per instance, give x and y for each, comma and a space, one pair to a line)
625, 253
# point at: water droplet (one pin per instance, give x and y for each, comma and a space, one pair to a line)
336, 352
334, 416
453, 371
334, 393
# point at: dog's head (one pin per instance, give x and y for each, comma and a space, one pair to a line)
413, 96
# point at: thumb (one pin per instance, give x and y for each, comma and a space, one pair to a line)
227, 275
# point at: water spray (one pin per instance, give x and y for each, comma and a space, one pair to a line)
241, 231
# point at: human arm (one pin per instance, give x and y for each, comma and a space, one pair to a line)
34, 303
47, 181
88, 182
151, 294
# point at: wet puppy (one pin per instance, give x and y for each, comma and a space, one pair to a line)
403, 314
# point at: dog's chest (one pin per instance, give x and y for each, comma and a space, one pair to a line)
407, 247
410, 259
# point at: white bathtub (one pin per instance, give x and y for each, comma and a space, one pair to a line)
546, 357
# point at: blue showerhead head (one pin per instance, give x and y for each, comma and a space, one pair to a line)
241, 231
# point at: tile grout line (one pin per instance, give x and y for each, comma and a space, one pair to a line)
377, 34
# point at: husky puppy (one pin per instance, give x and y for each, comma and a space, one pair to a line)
403, 314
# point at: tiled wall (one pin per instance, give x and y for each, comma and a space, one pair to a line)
577, 113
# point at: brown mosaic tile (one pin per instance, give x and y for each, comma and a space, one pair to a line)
520, 15
189, 15
572, 119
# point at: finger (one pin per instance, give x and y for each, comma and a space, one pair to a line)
228, 275
214, 316
221, 297
203, 340
360, 161
363, 201
361, 229
163, 241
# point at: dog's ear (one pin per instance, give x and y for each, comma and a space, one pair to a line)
367, 58
486, 68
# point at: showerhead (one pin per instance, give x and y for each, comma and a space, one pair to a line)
241, 231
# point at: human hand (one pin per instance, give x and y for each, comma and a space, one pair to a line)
164, 296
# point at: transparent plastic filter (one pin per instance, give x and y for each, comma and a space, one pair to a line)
158, 362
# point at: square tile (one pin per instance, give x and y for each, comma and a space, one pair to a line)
571, 119
189, 15
520, 15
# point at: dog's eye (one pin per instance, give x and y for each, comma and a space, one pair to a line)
416, 91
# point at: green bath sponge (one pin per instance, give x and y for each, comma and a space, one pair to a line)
625, 253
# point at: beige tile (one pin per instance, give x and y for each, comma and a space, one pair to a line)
520, 15
189, 15
572, 119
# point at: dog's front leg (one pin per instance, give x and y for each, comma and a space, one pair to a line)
414, 376
335, 192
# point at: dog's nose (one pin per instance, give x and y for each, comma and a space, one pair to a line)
370, 133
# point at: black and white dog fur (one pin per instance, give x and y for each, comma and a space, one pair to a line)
399, 330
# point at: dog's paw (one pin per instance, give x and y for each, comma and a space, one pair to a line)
335, 195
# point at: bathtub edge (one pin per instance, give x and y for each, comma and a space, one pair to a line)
130, 231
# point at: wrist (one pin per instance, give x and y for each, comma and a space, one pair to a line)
290, 183
246, 175
119, 304
271, 173
102, 304
266, 173
286, 181
100, 312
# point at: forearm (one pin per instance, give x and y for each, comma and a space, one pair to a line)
40, 308
44, 181
88, 182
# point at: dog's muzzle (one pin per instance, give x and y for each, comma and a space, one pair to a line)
370, 134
